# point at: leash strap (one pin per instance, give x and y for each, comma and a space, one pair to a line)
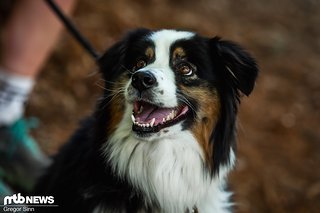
73, 30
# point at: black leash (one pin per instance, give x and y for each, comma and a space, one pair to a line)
73, 30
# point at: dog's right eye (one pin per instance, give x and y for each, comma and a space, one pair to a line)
185, 69
140, 64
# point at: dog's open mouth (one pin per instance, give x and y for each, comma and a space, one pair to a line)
148, 118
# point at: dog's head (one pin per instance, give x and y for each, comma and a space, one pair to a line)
169, 81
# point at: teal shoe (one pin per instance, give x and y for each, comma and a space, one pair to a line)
21, 159
4, 191
4, 188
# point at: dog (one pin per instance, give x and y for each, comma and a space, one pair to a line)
163, 135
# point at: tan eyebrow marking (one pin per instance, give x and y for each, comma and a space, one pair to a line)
149, 52
178, 53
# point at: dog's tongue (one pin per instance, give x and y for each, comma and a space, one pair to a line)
149, 112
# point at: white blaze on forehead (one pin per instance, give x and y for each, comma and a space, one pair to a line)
163, 40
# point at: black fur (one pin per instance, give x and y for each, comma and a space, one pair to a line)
215, 59
80, 178
228, 57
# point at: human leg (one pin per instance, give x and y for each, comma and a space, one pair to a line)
29, 37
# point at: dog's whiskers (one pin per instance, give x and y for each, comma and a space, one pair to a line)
114, 94
105, 81
101, 86
182, 98
126, 69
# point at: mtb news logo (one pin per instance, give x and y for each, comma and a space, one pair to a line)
20, 203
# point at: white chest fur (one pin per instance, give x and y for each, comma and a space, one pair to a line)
169, 170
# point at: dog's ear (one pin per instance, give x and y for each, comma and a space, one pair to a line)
235, 66
236, 72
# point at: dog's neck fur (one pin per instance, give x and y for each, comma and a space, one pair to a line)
169, 170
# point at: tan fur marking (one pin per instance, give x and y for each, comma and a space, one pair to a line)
178, 53
149, 52
117, 106
207, 117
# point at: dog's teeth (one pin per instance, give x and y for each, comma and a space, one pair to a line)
133, 118
140, 110
152, 122
147, 125
172, 114
163, 120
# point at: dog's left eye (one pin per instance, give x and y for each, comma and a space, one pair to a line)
185, 69
140, 64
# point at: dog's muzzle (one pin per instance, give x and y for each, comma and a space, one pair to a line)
147, 115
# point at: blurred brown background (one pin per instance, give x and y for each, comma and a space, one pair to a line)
278, 166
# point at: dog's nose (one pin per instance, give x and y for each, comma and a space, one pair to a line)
143, 80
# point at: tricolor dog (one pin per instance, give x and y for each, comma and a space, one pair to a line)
163, 135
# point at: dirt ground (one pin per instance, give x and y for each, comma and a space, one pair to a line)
278, 167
